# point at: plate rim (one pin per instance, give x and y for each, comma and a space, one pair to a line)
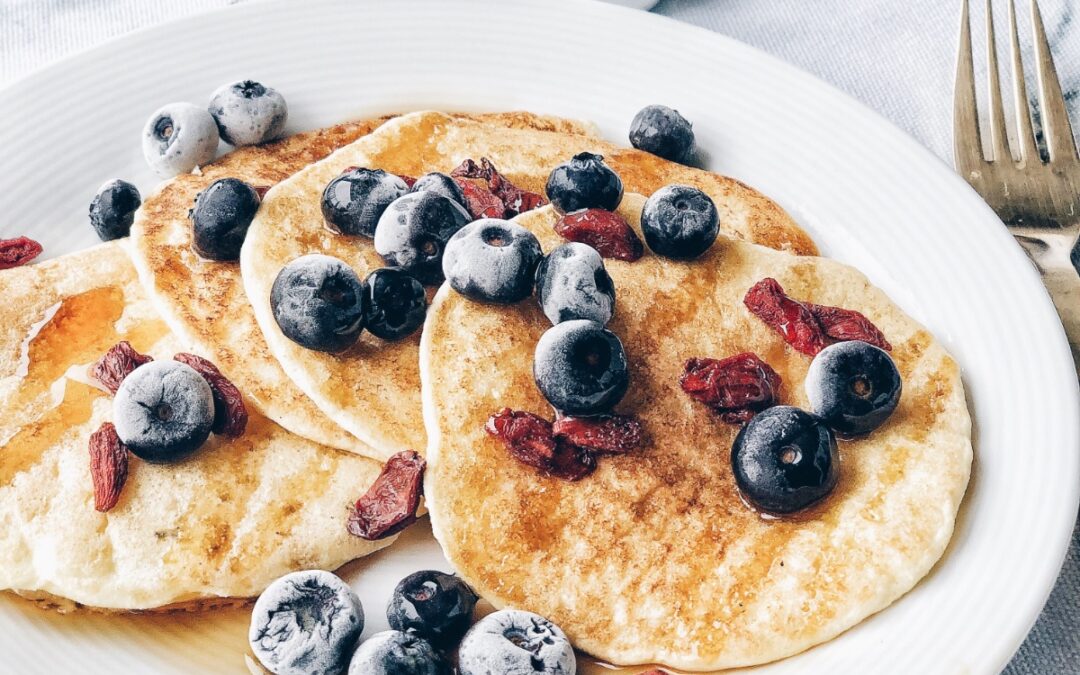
881, 124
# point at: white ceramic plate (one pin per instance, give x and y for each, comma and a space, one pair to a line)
869, 194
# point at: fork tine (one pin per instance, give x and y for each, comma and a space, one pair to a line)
1024, 134
998, 143
1058, 131
967, 140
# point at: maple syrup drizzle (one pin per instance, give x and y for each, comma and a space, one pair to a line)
77, 330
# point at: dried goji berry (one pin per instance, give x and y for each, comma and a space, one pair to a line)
791, 318
18, 251
611, 434
807, 327
230, 413
531, 441
108, 466
479, 200
390, 504
514, 200
606, 231
846, 324
737, 387
116, 364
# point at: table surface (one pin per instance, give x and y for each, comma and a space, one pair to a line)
896, 56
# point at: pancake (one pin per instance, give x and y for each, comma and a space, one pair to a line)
654, 558
373, 389
203, 301
222, 524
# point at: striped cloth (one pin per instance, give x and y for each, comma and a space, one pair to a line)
896, 56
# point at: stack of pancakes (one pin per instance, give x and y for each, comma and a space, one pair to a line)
654, 558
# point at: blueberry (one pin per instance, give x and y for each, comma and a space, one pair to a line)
353, 202
113, 209
396, 304
248, 113
572, 283
163, 411
319, 303
413, 231
580, 367
179, 137
784, 460
663, 132
306, 623
440, 184
434, 605
221, 217
515, 642
492, 260
392, 652
584, 182
853, 386
679, 222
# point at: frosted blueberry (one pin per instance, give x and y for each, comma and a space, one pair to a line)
163, 411
353, 202
785, 460
492, 260
306, 623
248, 113
392, 652
179, 137
580, 368
572, 283
435, 605
514, 642
854, 386
679, 222
221, 217
319, 303
413, 231
663, 132
440, 184
584, 182
113, 209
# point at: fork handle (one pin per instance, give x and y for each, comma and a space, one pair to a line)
1056, 262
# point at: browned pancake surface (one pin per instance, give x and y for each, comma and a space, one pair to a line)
655, 557
373, 389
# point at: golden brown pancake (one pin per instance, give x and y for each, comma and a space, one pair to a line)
655, 558
373, 389
203, 301
222, 524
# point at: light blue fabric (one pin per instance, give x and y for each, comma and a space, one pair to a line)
897, 56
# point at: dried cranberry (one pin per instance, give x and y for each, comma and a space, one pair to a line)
18, 251
610, 434
845, 325
791, 318
409, 180
230, 413
390, 504
116, 364
530, 440
606, 231
737, 387
261, 190
479, 200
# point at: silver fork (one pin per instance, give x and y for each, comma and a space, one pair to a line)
1037, 200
